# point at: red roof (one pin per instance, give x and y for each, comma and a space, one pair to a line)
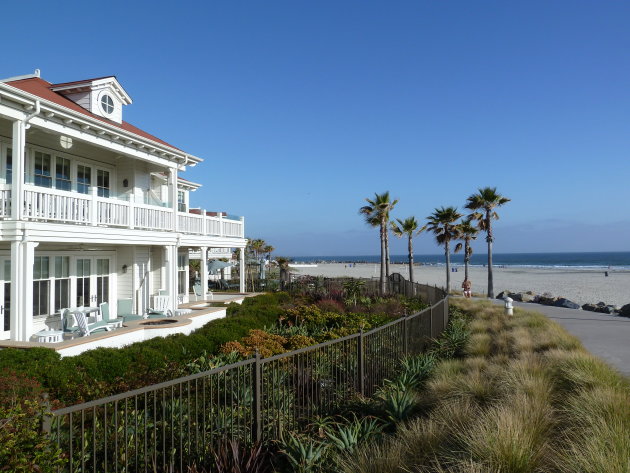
41, 88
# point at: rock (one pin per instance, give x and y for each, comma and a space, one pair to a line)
503, 294
601, 304
566, 303
591, 307
546, 299
528, 296
625, 311
609, 309
516, 296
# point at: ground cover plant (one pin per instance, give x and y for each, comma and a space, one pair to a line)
525, 397
271, 324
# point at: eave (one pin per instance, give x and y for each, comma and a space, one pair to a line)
99, 129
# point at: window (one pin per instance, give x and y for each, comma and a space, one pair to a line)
182, 274
84, 179
102, 280
102, 182
62, 282
83, 282
62, 174
8, 176
41, 285
181, 201
107, 104
42, 171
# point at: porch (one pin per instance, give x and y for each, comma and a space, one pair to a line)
86, 275
201, 313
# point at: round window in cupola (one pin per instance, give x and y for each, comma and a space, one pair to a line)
107, 104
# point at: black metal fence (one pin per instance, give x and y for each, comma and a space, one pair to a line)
170, 425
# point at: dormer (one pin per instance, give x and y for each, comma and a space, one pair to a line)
103, 96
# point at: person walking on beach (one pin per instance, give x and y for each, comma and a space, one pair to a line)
467, 285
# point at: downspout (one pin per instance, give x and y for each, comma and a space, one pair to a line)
34, 114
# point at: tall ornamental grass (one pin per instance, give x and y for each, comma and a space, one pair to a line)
526, 397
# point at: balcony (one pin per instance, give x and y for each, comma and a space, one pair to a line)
52, 205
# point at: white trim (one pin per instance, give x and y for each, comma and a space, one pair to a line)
71, 116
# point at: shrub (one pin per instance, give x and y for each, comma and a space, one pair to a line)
330, 305
22, 410
106, 371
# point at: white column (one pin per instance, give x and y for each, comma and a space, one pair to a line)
17, 183
17, 281
204, 271
170, 262
172, 172
26, 330
242, 271
242, 227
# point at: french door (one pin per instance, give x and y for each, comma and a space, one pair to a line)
5, 298
93, 281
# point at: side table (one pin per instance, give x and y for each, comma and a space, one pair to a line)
49, 336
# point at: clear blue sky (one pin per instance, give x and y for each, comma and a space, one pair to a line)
301, 109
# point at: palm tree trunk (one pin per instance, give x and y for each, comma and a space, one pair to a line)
447, 253
410, 247
387, 252
489, 238
383, 261
466, 258
490, 281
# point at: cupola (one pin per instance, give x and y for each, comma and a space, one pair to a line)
103, 96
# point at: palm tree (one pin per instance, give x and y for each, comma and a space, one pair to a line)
268, 249
376, 214
442, 223
467, 232
283, 265
409, 227
483, 204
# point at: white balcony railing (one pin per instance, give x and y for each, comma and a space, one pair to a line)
53, 205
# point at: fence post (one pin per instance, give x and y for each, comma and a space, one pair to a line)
406, 335
361, 364
431, 321
445, 311
257, 417
47, 418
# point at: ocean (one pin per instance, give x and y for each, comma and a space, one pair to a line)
592, 260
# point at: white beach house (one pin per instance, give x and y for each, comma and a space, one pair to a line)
92, 209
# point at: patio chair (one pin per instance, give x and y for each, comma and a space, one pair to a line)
67, 322
125, 310
104, 309
160, 307
86, 329
226, 286
198, 293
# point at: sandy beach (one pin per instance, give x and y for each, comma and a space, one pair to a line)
579, 285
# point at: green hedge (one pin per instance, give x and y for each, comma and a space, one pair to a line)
106, 371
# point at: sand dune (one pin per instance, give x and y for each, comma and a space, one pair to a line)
579, 285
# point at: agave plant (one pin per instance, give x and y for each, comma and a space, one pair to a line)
347, 436
397, 404
303, 455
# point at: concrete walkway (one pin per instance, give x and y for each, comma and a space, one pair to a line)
606, 336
